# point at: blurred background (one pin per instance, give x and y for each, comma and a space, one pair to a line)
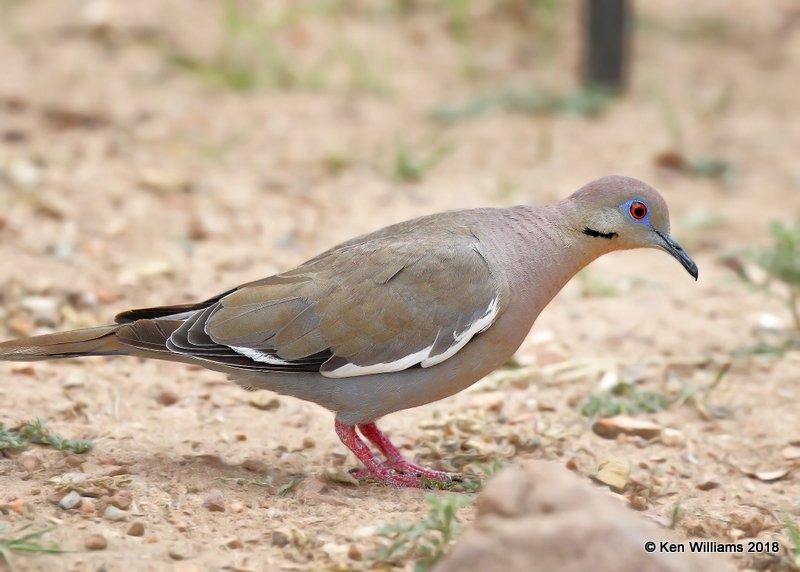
161, 152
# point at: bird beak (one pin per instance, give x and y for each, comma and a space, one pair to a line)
676, 250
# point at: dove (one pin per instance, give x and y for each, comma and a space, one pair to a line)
397, 318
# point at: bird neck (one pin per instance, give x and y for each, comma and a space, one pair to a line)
548, 248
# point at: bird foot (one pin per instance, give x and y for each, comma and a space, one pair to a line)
406, 475
396, 470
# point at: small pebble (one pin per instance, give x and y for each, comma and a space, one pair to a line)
254, 465
121, 500
611, 427
88, 506
70, 500
168, 397
355, 552
95, 542
30, 461
136, 528
179, 551
263, 401
280, 538
234, 543
44, 309
23, 369
113, 514
236, 507
309, 443
214, 502
672, 437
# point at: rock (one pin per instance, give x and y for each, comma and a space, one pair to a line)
236, 507
23, 369
180, 551
43, 309
541, 517
672, 437
95, 542
214, 502
264, 401
30, 461
121, 499
24, 174
163, 182
168, 397
280, 537
768, 476
88, 506
113, 514
791, 453
611, 427
136, 528
254, 465
354, 552
234, 543
309, 443
19, 326
708, 484
70, 500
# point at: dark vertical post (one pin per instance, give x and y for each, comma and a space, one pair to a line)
606, 25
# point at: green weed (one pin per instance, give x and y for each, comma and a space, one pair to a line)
588, 102
427, 541
411, 164
781, 262
36, 431
623, 399
26, 539
253, 55
794, 538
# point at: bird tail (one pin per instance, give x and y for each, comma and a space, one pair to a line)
101, 341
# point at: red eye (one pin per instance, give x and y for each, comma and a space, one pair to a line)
638, 210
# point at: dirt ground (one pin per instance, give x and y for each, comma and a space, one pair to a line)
139, 167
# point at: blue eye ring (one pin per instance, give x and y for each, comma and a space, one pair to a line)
638, 210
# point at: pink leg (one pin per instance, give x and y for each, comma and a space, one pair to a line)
348, 436
395, 459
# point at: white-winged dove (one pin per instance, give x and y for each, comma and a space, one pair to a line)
397, 318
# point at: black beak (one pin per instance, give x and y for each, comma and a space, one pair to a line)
680, 255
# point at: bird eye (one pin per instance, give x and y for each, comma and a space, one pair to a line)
638, 210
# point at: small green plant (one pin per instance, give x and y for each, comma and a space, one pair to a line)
37, 432
411, 164
426, 541
623, 399
26, 539
794, 538
587, 102
781, 262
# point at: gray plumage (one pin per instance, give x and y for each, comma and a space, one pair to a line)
393, 319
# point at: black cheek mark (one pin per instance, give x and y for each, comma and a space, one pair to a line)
597, 233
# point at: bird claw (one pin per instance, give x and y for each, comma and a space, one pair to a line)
405, 475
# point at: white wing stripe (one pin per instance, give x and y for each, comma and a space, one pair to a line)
260, 356
460, 340
421, 357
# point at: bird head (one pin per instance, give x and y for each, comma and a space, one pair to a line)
625, 213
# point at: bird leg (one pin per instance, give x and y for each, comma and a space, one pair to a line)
396, 471
395, 459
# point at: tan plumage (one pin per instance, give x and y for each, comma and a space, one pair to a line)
393, 319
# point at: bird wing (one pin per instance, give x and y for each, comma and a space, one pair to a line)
372, 305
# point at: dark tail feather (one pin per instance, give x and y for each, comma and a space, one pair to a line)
100, 341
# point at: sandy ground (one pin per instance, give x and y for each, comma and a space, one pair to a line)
127, 180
